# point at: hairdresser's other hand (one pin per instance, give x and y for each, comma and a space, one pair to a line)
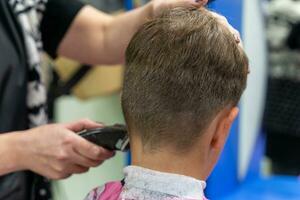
225, 22
161, 5
56, 152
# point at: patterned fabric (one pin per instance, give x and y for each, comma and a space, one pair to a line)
146, 184
29, 14
281, 16
282, 111
110, 191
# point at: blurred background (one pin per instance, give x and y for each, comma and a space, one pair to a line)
262, 157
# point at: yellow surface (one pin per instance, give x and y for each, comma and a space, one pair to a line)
100, 80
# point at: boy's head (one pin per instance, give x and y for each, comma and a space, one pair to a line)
184, 75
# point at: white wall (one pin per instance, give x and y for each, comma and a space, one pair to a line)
253, 98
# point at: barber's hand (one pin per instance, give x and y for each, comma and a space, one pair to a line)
56, 152
161, 5
234, 32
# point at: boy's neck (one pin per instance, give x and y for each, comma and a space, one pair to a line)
188, 164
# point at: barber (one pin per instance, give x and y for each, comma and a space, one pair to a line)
59, 27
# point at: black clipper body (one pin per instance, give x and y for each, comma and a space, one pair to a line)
110, 137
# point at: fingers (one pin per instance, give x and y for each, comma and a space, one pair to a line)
58, 152
76, 169
160, 5
70, 162
82, 124
65, 171
189, 3
84, 161
51, 173
89, 150
224, 21
201, 2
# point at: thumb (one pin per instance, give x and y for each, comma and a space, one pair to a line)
201, 2
90, 150
82, 124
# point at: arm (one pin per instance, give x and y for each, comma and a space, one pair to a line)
51, 150
10, 157
97, 38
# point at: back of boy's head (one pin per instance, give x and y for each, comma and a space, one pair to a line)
182, 69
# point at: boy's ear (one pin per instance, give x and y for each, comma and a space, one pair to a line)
223, 128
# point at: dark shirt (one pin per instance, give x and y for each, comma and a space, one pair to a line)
56, 18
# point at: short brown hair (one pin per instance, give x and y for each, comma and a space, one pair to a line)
182, 68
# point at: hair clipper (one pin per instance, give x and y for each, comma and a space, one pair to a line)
110, 137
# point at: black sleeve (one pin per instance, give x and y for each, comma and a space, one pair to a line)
293, 40
57, 18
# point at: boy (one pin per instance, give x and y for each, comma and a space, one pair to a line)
184, 76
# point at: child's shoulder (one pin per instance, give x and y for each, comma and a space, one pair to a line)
109, 191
